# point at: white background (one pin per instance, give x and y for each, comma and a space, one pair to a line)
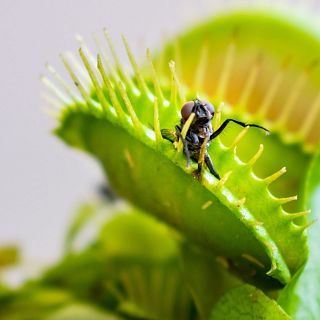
41, 180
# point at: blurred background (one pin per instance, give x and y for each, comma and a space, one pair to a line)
41, 180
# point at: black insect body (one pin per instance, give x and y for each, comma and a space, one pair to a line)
200, 133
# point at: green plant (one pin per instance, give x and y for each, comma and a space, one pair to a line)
227, 232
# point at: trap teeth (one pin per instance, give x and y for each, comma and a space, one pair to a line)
223, 180
250, 83
302, 228
156, 121
176, 88
256, 157
129, 106
253, 260
54, 90
275, 176
122, 74
62, 82
226, 70
140, 79
292, 216
94, 80
155, 79
111, 92
307, 124
239, 137
282, 201
82, 90
202, 66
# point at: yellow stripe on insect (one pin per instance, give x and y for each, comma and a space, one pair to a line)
184, 131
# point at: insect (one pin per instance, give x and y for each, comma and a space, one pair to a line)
200, 133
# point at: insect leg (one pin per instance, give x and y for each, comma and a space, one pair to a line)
169, 135
202, 154
211, 167
185, 145
242, 124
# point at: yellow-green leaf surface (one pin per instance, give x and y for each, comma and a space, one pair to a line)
247, 303
301, 297
131, 267
81, 312
30, 303
207, 277
38, 302
118, 118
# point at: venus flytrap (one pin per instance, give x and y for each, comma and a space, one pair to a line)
249, 227
265, 67
255, 71
135, 268
118, 120
300, 298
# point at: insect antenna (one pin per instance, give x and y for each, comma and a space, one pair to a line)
257, 126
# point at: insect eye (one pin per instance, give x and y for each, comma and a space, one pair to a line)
209, 106
186, 110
